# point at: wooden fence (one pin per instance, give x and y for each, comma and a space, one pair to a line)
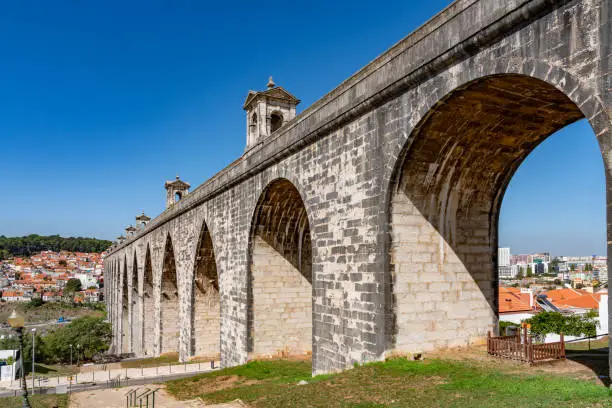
511, 347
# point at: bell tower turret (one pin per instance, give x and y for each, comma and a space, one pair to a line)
176, 190
267, 111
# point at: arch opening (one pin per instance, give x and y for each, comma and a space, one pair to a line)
276, 121
148, 312
444, 205
125, 341
206, 301
280, 278
134, 306
169, 309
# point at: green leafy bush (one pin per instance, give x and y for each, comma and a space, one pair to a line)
554, 322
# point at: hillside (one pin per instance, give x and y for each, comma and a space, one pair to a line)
31, 244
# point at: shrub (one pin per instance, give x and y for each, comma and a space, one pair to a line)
554, 322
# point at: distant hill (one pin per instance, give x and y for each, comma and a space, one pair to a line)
31, 244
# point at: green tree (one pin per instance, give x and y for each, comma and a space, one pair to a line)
73, 285
529, 271
28, 245
91, 334
554, 322
34, 303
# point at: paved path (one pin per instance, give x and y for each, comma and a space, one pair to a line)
102, 376
115, 398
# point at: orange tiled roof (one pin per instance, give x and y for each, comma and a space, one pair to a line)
511, 300
572, 298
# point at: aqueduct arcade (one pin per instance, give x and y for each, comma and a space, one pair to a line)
367, 224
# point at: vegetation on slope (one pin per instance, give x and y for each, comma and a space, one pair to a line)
89, 336
394, 383
37, 401
31, 244
50, 311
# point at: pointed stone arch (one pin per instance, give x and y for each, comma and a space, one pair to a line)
169, 302
125, 307
206, 331
279, 293
148, 309
134, 306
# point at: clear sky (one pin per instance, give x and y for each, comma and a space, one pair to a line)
101, 102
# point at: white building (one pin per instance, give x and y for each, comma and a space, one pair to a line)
87, 281
503, 256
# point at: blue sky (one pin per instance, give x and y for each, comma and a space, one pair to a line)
101, 102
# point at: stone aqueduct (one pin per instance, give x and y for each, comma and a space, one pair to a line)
367, 224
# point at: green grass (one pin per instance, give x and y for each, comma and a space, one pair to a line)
50, 370
395, 383
600, 345
37, 401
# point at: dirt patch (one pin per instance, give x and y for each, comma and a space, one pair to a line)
208, 385
115, 398
584, 366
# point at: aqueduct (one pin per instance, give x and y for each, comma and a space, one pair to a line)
367, 224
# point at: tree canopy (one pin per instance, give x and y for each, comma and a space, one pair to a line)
88, 336
73, 285
31, 244
571, 325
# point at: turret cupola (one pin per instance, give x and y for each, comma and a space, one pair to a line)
176, 190
142, 220
129, 231
266, 111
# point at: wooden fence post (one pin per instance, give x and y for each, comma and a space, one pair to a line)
562, 345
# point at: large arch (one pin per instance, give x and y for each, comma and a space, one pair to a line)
444, 200
205, 323
280, 274
148, 307
169, 304
124, 341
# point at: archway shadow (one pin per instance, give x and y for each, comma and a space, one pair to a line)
445, 199
597, 360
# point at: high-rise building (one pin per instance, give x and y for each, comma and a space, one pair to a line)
503, 256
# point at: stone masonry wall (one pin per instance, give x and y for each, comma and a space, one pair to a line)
371, 248
282, 304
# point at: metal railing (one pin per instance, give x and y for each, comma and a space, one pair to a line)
146, 397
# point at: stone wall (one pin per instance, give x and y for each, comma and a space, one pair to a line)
282, 304
400, 173
206, 302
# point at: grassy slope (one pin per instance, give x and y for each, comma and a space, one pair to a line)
395, 383
37, 401
600, 345
46, 312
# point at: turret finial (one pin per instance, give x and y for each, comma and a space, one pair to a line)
271, 83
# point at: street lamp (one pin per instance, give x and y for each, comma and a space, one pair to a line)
33, 347
17, 322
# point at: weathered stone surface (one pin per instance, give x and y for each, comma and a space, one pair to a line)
400, 172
